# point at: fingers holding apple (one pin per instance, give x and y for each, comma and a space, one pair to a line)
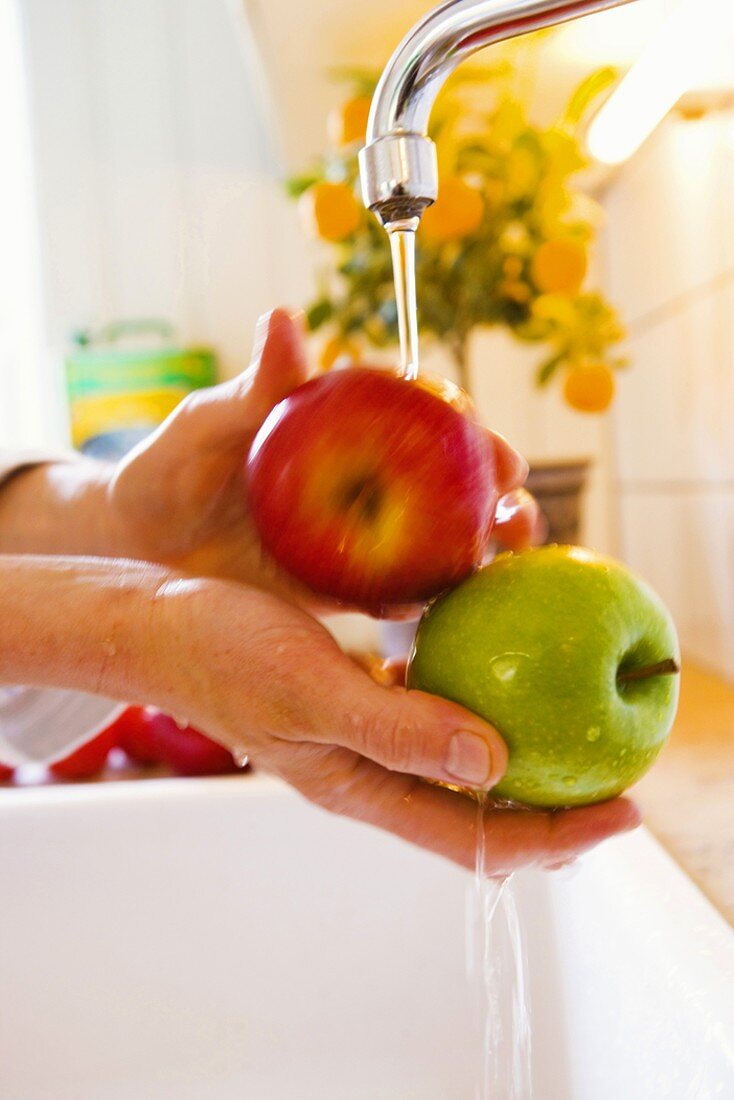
446, 823
373, 490
552, 839
373, 718
519, 521
511, 468
366, 493
570, 656
232, 412
388, 671
190, 471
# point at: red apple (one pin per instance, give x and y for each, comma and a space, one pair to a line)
89, 760
372, 489
186, 751
6, 773
134, 733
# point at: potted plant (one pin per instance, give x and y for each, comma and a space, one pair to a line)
505, 245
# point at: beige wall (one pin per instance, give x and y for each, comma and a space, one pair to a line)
669, 260
540, 425
303, 41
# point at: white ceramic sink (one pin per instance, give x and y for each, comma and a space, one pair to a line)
222, 939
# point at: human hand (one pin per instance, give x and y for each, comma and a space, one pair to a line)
265, 679
180, 498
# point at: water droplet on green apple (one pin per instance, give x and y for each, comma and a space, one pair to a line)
505, 667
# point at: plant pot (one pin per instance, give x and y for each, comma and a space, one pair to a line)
558, 488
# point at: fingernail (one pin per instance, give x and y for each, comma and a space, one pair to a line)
262, 326
468, 760
298, 317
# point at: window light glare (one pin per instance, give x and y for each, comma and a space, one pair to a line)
666, 69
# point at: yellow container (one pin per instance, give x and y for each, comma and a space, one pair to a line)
125, 379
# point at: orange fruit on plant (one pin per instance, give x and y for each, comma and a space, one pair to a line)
457, 212
589, 388
515, 290
336, 348
559, 266
331, 210
347, 123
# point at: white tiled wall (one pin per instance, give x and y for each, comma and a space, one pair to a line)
542, 426
669, 252
29, 415
681, 538
157, 167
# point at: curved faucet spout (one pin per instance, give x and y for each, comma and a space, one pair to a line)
398, 164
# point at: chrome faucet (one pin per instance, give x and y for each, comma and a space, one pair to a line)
398, 164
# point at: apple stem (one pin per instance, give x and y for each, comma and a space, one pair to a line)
668, 667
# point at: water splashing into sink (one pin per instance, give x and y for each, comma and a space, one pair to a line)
497, 967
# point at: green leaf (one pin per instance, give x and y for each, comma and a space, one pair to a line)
588, 90
296, 185
319, 313
547, 369
477, 158
364, 81
533, 331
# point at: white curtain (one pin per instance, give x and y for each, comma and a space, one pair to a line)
156, 173
30, 412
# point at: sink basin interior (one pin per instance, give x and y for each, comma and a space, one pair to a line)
222, 938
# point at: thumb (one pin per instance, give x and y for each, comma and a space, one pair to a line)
229, 413
519, 521
405, 731
278, 363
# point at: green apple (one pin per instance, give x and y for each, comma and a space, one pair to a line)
572, 657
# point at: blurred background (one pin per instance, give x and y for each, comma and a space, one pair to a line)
146, 147
173, 168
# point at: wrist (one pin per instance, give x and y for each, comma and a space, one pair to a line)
83, 624
181, 631
59, 507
